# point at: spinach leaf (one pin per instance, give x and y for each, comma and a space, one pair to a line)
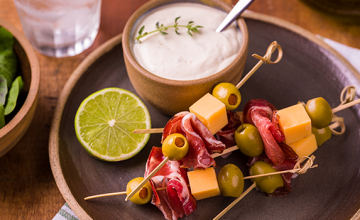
8, 60
3, 89
2, 116
14, 92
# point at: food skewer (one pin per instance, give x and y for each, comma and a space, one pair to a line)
265, 59
334, 110
233, 148
297, 169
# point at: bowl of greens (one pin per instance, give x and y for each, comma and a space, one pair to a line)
19, 85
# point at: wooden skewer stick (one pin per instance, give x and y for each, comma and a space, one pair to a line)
105, 195
147, 178
265, 59
278, 172
227, 150
113, 194
297, 168
235, 201
347, 105
148, 131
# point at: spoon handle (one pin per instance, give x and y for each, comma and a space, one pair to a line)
234, 13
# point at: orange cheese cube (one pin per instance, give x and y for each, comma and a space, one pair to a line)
295, 123
203, 183
305, 146
211, 112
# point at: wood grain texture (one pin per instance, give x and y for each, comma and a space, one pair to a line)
27, 187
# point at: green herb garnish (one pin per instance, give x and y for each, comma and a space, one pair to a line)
161, 28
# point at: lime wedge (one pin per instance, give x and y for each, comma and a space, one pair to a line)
105, 121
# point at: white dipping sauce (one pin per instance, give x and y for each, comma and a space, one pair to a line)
182, 57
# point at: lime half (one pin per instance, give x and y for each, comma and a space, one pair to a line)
105, 121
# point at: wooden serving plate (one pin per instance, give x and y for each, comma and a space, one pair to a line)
309, 69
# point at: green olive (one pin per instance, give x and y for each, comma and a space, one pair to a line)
175, 146
321, 135
142, 196
267, 184
231, 181
248, 140
319, 112
228, 94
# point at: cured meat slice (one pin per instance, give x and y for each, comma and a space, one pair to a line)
263, 115
226, 134
201, 142
211, 143
176, 200
198, 156
174, 125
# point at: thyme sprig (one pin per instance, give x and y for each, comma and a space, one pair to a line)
191, 28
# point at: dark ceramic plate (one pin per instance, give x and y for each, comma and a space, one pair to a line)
309, 69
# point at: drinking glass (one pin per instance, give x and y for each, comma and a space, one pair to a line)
60, 28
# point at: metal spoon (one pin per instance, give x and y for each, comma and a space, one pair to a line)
234, 13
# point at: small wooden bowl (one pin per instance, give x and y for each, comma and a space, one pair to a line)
13, 130
172, 96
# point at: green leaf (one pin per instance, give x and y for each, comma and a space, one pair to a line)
141, 29
14, 92
8, 60
176, 19
189, 33
2, 116
3, 89
195, 30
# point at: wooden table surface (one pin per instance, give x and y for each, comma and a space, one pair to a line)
27, 187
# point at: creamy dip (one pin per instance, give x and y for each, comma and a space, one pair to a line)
182, 57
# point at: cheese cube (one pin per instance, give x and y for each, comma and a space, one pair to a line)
203, 183
211, 112
305, 146
295, 123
